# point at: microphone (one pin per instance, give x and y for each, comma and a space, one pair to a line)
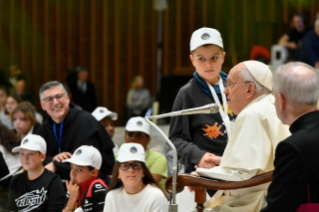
206, 109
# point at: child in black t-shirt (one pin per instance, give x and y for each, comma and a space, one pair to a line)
36, 189
85, 189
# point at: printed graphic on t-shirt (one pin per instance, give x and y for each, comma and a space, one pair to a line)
212, 131
31, 200
231, 113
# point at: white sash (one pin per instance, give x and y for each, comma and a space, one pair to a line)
223, 114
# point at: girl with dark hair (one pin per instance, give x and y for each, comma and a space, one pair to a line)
8, 140
23, 118
11, 102
132, 187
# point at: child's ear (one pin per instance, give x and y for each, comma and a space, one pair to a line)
95, 172
43, 156
192, 58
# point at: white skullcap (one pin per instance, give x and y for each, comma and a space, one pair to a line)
260, 72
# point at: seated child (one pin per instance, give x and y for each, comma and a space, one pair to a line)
24, 120
106, 118
36, 189
85, 189
138, 131
132, 186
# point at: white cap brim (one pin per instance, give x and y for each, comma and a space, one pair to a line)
126, 159
78, 162
17, 149
137, 129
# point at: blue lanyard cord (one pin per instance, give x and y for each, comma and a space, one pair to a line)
60, 138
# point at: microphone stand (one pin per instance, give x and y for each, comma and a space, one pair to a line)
173, 205
206, 109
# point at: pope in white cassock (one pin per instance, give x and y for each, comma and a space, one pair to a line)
255, 135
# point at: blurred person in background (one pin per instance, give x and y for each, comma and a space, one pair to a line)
14, 75
292, 39
11, 103
138, 98
21, 90
83, 90
309, 52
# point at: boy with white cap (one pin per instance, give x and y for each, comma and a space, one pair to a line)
85, 190
36, 189
106, 118
201, 139
138, 131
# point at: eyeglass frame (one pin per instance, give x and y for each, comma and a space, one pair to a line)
46, 100
227, 85
131, 164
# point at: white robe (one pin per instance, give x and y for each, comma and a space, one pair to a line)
249, 152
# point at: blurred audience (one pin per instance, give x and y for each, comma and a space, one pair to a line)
83, 91
309, 52
292, 39
138, 98
24, 121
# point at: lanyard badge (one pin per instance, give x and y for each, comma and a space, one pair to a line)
59, 140
223, 114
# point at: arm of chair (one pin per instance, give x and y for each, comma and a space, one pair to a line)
207, 183
201, 184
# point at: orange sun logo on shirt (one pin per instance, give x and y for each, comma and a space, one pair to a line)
212, 131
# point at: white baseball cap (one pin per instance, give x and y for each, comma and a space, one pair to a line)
131, 151
138, 124
86, 156
260, 72
32, 142
101, 112
205, 36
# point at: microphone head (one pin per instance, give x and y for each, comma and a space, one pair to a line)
214, 108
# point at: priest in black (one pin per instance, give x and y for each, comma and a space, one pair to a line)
296, 174
68, 128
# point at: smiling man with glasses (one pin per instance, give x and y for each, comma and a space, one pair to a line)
68, 128
255, 135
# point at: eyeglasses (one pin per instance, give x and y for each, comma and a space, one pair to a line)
228, 85
135, 166
50, 99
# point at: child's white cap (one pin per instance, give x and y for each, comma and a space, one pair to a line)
131, 151
32, 142
86, 156
101, 112
138, 124
205, 36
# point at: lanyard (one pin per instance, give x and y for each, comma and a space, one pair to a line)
223, 114
60, 138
